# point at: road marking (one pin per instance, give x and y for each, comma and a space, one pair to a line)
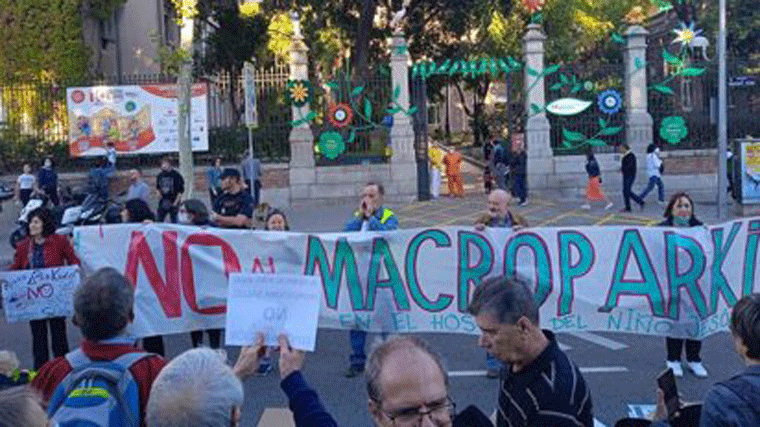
598, 340
597, 423
564, 347
587, 370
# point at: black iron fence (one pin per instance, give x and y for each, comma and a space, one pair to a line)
34, 120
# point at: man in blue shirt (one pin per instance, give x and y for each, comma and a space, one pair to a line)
371, 216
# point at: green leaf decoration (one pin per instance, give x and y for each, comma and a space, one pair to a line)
671, 59
663, 89
357, 90
396, 92
296, 123
573, 136
412, 111
393, 110
536, 108
352, 136
492, 66
537, 18
692, 72
454, 68
638, 63
415, 70
367, 109
402, 49
332, 85
576, 88
556, 86
445, 66
311, 116
532, 72
563, 78
596, 142
602, 123
611, 131
431, 69
617, 38
503, 65
567, 144
552, 69
513, 63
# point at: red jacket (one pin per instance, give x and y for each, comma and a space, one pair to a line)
57, 250
144, 372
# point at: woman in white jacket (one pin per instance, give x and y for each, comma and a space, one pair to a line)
654, 171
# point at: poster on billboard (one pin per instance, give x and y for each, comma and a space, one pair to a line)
750, 173
135, 119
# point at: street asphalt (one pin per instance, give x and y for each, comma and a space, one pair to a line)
620, 369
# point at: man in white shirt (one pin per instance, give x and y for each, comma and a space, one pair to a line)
654, 171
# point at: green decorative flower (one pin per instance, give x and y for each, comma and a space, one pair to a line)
673, 129
331, 144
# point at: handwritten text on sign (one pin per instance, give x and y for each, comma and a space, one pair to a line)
38, 294
273, 305
659, 281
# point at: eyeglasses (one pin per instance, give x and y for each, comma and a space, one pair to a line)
440, 412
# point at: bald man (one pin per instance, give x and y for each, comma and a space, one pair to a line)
498, 216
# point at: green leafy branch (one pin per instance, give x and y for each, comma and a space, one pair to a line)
573, 140
303, 119
680, 70
474, 68
571, 83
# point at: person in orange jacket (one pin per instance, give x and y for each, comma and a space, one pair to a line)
452, 160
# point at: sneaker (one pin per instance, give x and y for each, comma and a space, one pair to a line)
353, 371
676, 367
698, 369
492, 373
609, 206
586, 206
524, 203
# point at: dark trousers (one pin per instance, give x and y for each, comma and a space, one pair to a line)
52, 194
628, 193
154, 344
24, 196
518, 187
60, 342
675, 347
256, 191
358, 357
214, 338
162, 211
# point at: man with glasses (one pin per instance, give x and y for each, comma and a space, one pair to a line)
540, 385
406, 381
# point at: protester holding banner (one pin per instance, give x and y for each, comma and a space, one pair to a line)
136, 211
680, 213
234, 207
170, 186
40, 249
371, 216
276, 221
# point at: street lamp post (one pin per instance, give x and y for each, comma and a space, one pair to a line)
722, 110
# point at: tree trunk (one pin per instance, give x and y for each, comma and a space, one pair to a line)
363, 35
185, 82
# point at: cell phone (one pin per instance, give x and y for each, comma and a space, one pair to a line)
667, 383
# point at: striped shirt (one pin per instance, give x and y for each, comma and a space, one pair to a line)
550, 391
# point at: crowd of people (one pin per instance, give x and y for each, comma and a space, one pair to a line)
406, 380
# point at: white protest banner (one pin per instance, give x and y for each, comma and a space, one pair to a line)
38, 294
136, 119
273, 304
657, 281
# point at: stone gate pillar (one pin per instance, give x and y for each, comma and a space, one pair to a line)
638, 121
302, 173
403, 168
537, 129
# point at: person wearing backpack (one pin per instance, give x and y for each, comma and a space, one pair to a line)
736, 401
107, 380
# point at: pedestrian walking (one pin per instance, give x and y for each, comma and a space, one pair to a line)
435, 155
453, 160
370, 216
519, 172
170, 186
488, 168
654, 171
213, 175
42, 248
502, 158
25, 185
628, 169
680, 213
47, 181
594, 192
251, 168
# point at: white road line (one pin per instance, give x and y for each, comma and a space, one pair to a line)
588, 370
598, 340
598, 424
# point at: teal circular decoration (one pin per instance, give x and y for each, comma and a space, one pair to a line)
331, 144
673, 129
130, 106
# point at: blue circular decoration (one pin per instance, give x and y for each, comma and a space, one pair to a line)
610, 102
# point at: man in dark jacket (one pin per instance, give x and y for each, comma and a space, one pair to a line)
736, 401
519, 168
170, 186
628, 169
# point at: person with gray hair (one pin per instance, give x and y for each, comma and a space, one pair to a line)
539, 384
103, 310
21, 406
198, 389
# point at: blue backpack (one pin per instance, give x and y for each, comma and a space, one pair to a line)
97, 393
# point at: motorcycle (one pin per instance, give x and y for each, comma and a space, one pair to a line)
37, 200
